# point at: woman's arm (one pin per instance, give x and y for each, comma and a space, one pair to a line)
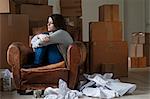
59, 36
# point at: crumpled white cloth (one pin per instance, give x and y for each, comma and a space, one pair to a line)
105, 86
63, 92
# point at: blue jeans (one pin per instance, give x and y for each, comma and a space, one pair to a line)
47, 55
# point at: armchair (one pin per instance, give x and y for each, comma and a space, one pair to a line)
45, 76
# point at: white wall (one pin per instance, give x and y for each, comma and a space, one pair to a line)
134, 17
147, 14
55, 4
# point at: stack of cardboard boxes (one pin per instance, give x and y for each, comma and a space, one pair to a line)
72, 11
17, 17
13, 27
108, 52
139, 50
37, 10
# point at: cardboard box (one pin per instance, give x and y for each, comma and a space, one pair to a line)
7, 6
74, 21
74, 27
142, 62
147, 38
138, 38
38, 30
109, 53
147, 53
107, 68
105, 31
138, 62
36, 12
13, 28
71, 7
36, 24
71, 11
109, 12
134, 62
70, 3
44, 2
136, 50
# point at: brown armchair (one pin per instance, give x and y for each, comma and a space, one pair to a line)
42, 77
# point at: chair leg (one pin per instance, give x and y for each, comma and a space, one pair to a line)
21, 92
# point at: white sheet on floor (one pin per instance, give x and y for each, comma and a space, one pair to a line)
63, 92
105, 86
101, 86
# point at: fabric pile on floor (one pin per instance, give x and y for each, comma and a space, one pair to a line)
101, 86
63, 92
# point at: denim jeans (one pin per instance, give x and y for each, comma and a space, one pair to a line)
47, 54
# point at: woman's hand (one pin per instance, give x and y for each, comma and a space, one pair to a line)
44, 37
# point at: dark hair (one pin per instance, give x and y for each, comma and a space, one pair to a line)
58, 21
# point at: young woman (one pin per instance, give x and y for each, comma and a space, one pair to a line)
51, 47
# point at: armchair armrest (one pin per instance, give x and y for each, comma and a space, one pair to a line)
76, 55
17, 54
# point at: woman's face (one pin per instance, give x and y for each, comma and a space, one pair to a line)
50, 25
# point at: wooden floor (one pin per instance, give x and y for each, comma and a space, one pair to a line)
139, 76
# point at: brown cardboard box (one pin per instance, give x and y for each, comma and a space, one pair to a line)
71, 11
7, 6
147, 53
109, 12
74, 27
36, 12
76, 33
107, 68
106, 31
138, 62
142, 62
138, 38
147, 38
134, 62
109, 53
70, 3
38, 30
74, 21
13, 27
45, 2
71, 7
136, 50
36, 24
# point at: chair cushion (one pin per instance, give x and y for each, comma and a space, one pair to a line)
44, 74
47, 67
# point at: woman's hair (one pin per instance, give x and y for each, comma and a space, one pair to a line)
58, 21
